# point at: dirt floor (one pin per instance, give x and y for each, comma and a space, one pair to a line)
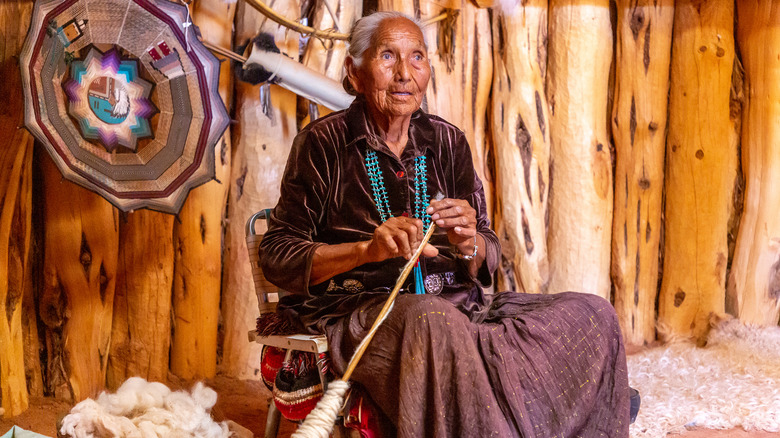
244, 402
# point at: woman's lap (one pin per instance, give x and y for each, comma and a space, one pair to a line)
540, 365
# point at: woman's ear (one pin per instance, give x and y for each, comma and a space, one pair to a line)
352, 74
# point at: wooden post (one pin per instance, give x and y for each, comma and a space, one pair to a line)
79, 278
521, 138
701, 167
262, 139
15, 210
638, 126
198, 231
15, 224
579, 58
461, 72
754, 283
141, 330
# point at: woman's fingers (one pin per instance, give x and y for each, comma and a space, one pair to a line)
454, 214
399, 237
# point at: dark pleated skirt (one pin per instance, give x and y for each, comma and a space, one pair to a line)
535, 366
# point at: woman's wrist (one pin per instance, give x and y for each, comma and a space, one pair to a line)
469, 252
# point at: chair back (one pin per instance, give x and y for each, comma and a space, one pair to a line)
267, 294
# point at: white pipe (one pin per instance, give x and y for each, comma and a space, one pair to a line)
301, 80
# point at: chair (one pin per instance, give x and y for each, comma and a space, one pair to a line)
267, 297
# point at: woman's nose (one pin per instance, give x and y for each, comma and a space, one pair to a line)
402, 71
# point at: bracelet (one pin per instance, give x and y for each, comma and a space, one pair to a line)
460, 255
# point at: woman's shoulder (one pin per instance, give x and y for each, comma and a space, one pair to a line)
441, 125
329, 125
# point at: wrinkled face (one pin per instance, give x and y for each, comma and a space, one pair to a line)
395, 70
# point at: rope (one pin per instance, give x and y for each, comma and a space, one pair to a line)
319, 423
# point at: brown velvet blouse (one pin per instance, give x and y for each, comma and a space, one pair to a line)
326, 198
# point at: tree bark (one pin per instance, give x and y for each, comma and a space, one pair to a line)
141, 330
15, 225
638, 124
701, 167
15, 210
754, 283
80, 265
580, 54
198, 232
262, 139
521, 138
461, 72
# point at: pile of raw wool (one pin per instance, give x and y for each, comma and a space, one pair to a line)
141, 409
734, 381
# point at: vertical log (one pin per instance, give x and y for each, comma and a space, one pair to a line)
15, 207
701, 167
77, 301
14, 260
141, 330
579, 58
521, 138
461, 71
198, 232
262, 139
754, 283
643, 46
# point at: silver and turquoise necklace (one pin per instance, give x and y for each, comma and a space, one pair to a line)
421, 200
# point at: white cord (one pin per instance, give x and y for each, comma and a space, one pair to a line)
319, 423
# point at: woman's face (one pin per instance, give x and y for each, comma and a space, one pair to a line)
395, 70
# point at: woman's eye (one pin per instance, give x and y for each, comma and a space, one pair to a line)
387, 56
418, 57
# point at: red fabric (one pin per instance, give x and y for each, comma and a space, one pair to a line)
270, 362
363, 416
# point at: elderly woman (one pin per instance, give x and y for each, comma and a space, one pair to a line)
450, 361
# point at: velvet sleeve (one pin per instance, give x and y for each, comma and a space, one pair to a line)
468, 186
287, 249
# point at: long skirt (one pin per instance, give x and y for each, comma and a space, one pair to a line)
537, 366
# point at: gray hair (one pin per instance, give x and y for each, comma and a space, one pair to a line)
363, 33
362, 36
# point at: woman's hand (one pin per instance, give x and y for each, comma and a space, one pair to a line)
398, 237
459, 219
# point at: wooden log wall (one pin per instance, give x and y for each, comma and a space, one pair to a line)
550, 112
76, 302
701, 167
198, 232
16, 157
754, 284
579, 59
521, 145
644, 36
262, 136
141, 328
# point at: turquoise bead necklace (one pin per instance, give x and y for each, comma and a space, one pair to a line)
421, 200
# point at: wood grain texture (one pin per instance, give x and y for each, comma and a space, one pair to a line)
754, 283
639, 115
579, 58
261, 140
701, 167
521, 142
141, 329
15, 212
198, 232
77, 300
